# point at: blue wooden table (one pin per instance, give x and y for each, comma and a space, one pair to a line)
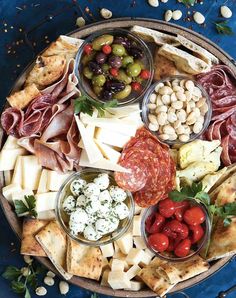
20, 16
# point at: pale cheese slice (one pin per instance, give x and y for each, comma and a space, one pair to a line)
113, 138
121, 112
93, 153
8, 177
135, 285
11, 143
139, 242
31, 172
117, 265
8, 158
137, 225
118, 280
55, 180
45, 201
133, 271
17, 177
125, 243
90, 129
46, 215
135, 256
107, 250
42, 188
8, 190
108, 152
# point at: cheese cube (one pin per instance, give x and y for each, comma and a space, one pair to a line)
43, 182
17, 174
45, 201
107, 250
135, 256
8, 190
137, 209
112, 138
8, 177
104, 280
31, 172
117, 265
137, 225
55, 180
8, 158
125, 243
46, 215
146, 259
135, 285
119, 255
133, 271
139, 242
148, 251
118, 280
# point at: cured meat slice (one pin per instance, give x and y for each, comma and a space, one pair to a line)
148, 198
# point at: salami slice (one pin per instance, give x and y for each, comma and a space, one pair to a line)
148, 198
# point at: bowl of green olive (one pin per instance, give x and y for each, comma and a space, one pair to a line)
114, 64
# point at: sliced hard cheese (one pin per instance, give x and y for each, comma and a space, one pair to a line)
135, 256
101, 164
125, 243
90, 129
31, 171
17, 174
46, 215
146, 259
135, 285
113, 138
139, 242
118, 280
108, 152
55, 180
137, 225
8, 190
107, 250
45, 201
93, 153
133, 271
8, 177
43, 182
117, 265
8, 158
121, 112
11, 143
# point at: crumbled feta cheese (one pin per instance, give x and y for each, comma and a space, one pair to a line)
91, 234
102, 181
121, 210
117, 194
91, 189
81, 201
77, 185
69, 204
92, 218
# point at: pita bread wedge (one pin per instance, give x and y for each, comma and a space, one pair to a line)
176, 272
54, 243
155, 36
64, 45
223, 241
22, 98
226, 191
183, 60
84, 261
163, 67
46, 71
198, 51
29, 245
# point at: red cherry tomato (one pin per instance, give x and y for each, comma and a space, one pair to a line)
171, 245
88, 49
158, 242
145, 74
154, 223
180, 208
194, 216
114, 72
106, 49
184, 231
136, 86
166, 208
197, 233
183, 248
175, 229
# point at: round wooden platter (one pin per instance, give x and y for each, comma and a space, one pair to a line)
16, 223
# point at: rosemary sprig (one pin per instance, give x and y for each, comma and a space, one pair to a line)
223, 28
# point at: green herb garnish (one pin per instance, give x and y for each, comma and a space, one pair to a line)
188, 2
94, 295
27, 207
223, 28
86, 105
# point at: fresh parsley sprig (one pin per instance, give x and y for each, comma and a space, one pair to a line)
86, 105
223, 28
27, 207
188, 2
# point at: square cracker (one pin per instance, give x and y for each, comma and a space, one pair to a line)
29, 245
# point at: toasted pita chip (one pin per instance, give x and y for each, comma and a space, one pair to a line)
183, 60
175, 272
54, 243
152, 35
46, 71
163, 67
83, 260
64, 45
20, 99
198, 51
29, 245
227, 191
223, 241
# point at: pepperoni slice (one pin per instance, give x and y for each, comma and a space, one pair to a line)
148, 198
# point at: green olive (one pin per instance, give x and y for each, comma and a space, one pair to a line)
101, 41
88, 73
105, 67
140, 63
118, 50
133, 69
97, 90
127, 60
122, 76
99, 80
124, 93
87, 58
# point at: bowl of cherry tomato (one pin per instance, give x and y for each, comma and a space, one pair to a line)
176, 231
114, 64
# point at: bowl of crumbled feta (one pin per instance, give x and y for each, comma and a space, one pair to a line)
92, 209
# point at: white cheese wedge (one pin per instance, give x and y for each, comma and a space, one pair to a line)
139, 242
133, 271
117, 265
135, 256
108, 152
90, 129
135, 285
148, 251
118, 280
112, 138
31, 172
46, 215
11, 143
127, 127
8, 158
146, 259
121, 112
101, 164
55, 180
8, 177
17, 177
42, 187
137, 225
125, 243
104, 280
107, 250
45, 201
93, 153
8, 190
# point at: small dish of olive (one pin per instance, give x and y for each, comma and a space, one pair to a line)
114, 64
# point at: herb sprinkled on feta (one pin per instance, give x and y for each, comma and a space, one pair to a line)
77, 185
102, 181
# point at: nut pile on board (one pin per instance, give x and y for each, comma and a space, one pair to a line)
176, 110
